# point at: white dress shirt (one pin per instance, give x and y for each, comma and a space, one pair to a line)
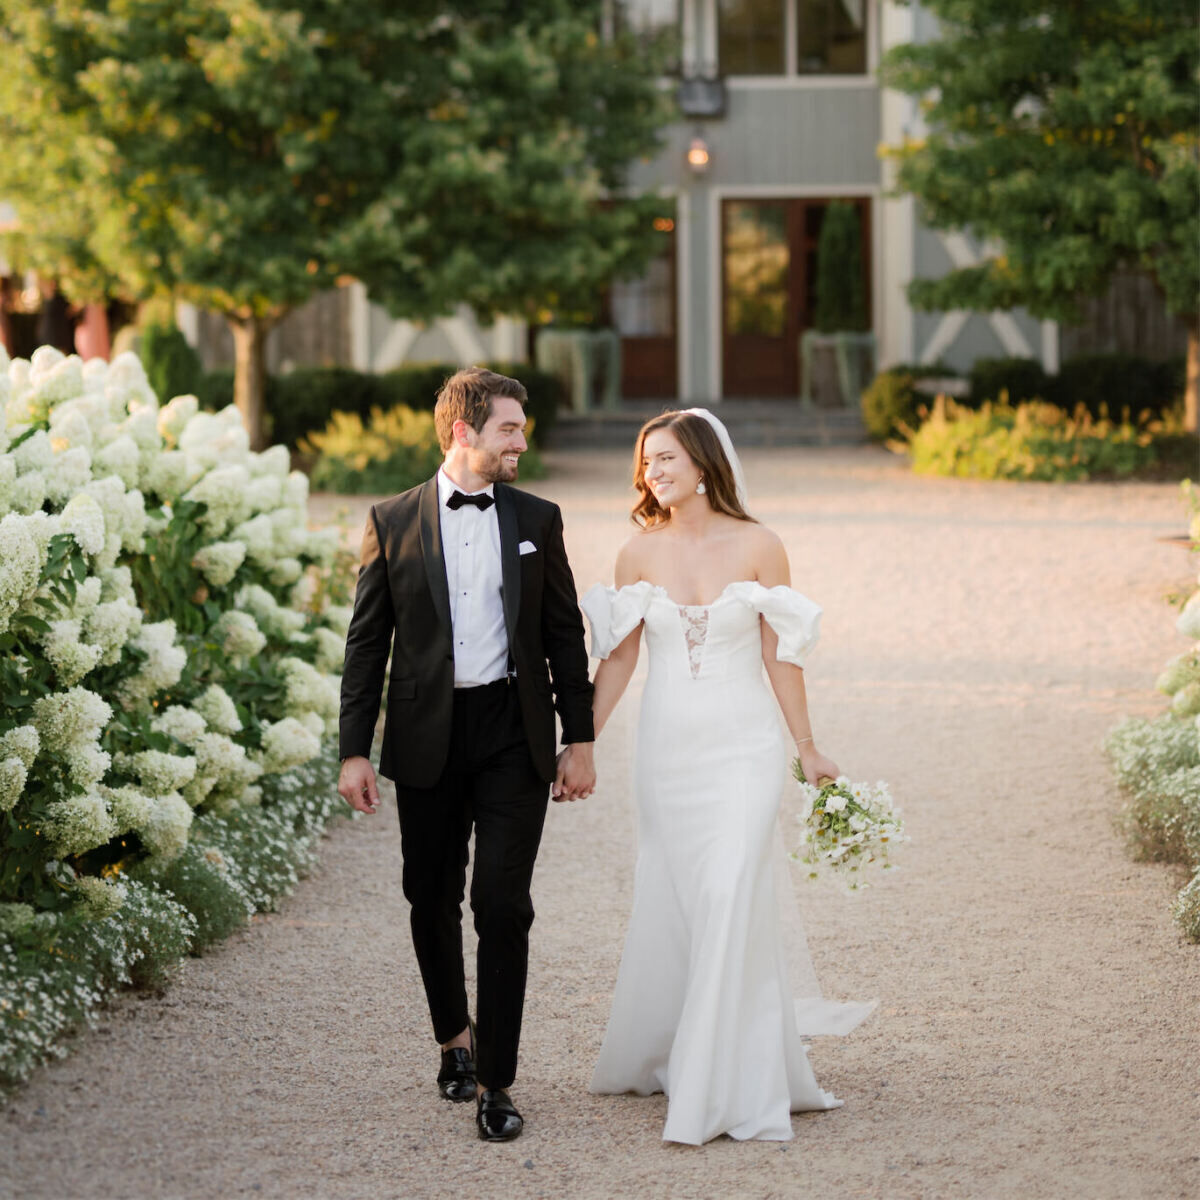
471, 547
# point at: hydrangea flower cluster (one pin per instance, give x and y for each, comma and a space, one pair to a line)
150, 564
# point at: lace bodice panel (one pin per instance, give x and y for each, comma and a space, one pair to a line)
715, 641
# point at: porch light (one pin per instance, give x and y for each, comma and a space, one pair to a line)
697, 155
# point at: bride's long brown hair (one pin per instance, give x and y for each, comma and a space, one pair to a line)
703, 447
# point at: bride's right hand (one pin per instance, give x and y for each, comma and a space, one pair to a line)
816, 766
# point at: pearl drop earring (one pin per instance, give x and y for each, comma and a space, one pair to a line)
700, 488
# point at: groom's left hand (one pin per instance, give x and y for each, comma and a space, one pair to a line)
576, 777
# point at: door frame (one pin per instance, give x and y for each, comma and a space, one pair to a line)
716, 272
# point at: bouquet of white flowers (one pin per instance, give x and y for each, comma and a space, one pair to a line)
845, 826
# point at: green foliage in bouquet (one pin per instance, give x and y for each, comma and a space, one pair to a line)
170, 632
389, 453
1034, 441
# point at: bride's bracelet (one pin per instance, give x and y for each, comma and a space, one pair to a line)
801, 741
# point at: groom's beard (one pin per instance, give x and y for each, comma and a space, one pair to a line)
492, 467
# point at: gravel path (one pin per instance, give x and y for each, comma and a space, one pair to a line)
1037, 1032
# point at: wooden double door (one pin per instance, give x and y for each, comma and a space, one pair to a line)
768, 282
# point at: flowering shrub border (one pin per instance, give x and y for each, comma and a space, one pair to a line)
1157, 762
171, 634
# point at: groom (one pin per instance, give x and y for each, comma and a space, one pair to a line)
465, 581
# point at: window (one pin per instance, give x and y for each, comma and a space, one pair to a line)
792, 37
648, 18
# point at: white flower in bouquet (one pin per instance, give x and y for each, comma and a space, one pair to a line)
13, 774
173, 418
100, 897
79, 824
287, 744
217, 708
238, 634
83, 519
72, 471
219, 562
22, 742
70, 656
165, 831
157, 771
182, 723
845, 827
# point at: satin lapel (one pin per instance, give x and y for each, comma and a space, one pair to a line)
431, 551
510, 560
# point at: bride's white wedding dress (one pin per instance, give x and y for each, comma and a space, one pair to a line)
703, 1010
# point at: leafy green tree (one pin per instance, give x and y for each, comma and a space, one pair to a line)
245, 154
1065, 135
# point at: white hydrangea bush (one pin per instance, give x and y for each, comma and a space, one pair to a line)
168, 633
1157, 762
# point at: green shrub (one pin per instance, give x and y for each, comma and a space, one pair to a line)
891, 404
1030, 441
1117, 384
1021, 378
841, 304
389, 453
172, 367
214, 389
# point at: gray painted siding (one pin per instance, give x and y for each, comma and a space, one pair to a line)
790, 135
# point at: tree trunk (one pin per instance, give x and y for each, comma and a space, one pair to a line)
1191, 401
250, 375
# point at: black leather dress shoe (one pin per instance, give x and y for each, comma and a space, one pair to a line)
456, 1079
498, 1121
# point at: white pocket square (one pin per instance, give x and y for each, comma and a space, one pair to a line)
526, 548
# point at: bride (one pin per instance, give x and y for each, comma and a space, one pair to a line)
703, 1010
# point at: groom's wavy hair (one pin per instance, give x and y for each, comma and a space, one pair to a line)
703, 447
467, 396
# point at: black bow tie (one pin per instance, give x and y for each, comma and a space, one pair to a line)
481, 500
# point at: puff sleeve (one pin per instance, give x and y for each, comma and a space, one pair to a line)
795, 619
614, 613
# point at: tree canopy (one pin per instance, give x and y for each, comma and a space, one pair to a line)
244, 154
1064, 136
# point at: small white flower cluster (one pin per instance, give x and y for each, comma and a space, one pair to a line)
847, 826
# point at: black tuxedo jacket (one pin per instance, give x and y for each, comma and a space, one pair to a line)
402, 606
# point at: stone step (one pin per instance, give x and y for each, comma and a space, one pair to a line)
750, 423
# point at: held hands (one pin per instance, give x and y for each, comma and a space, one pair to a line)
356, 785
576, 778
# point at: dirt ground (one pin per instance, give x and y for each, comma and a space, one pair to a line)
1037, 1034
